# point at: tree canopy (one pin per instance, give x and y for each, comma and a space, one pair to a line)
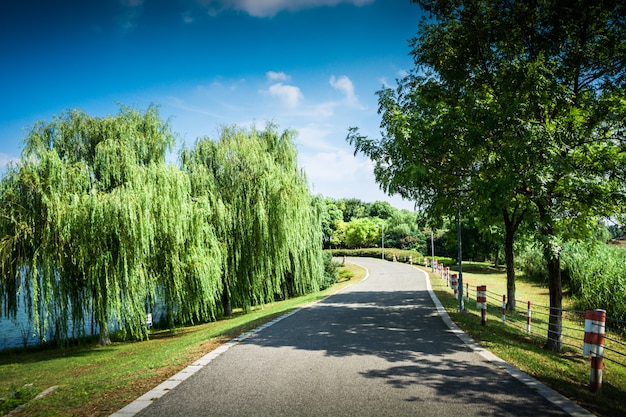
513, 108
96, 226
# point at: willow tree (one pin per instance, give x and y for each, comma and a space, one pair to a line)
96, 226
527, 98
269, 228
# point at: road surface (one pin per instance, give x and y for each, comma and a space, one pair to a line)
379, 348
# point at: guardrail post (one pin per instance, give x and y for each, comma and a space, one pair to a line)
481, 303
528, 316
595, 323
454, 283
503, 308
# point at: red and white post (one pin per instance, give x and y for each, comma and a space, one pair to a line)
528, 318
481, 303
595, 324
454, 283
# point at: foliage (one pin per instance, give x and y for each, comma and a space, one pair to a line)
271, 231
331, 271
401, 227
331, 215
400, 254
80, 221
478, 244
352, 208
97, 228
532, 263
362, 232
596, 276
516, 110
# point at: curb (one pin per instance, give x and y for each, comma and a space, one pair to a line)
149, 397
548, 393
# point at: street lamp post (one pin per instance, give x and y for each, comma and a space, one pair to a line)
432, 250
458, 226
382, 238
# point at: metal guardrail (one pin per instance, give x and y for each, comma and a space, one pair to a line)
534, 319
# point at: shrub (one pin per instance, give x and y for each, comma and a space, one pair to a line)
530, 261
596, 276
331, 271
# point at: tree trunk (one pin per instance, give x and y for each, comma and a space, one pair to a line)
228, 310
104, 338
509, 257
512, 221
553, 260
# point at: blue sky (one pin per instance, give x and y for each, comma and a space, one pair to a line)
309, 65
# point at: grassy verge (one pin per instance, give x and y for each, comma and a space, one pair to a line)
567, 372
97, 381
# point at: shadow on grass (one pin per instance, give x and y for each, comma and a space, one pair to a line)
566, 372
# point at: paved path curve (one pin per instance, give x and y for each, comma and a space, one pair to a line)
378, 348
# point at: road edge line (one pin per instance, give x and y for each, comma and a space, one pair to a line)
548, 393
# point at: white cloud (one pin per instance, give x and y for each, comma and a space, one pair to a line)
336, 167
269, 8
345, 86
290, 95
315, 137
277, 76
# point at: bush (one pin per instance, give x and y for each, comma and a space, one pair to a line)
331, 271
596, 276
402, 255
532, 263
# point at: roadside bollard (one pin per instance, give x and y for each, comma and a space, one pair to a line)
481, 303
503, 308
595, 323
454, 283
344, 260
425, 262
467, 291
528, 316
410, 259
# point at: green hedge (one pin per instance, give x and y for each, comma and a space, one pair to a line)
401, 254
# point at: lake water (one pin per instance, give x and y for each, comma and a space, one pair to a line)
20, 332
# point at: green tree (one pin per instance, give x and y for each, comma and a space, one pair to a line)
96, 224
381, 209
331, 215
362, 233
271, 226
352, 208
517, 102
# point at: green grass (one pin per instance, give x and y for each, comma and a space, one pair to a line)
99, 380
567, 372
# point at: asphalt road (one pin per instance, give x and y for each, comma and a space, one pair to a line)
379, 348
